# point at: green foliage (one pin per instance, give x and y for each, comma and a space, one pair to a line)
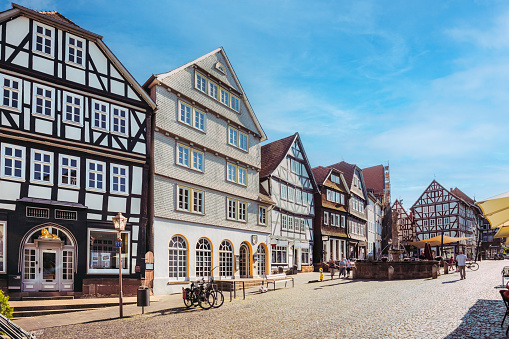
5, 309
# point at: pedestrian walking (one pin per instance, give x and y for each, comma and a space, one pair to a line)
342, 268
348, 267
332, 268
461, 260
451, 262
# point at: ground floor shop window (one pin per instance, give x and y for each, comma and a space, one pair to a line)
262, 260
103, 255
305, 255
279, 255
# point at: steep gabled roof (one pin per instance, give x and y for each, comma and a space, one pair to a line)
458, 193
374, 178
347, 169
53, 18
160, 77
274, 153
321, 173
263, 196
398, 206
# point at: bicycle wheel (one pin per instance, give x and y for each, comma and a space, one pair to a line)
474, 266
188, 302
219, 299
206, 300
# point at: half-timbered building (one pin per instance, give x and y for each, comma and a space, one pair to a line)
357, 218
452, 213
331, 215
286, 175
209, 210
406, 233
73, 139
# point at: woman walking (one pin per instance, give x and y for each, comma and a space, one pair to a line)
332, 268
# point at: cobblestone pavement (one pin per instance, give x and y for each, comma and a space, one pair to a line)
446, 307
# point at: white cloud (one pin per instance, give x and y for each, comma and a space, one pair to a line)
495, 37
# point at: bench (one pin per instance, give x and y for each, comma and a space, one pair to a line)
505, 274
275, 278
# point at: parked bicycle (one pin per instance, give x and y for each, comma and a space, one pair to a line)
211, 288
473, 266
197, 294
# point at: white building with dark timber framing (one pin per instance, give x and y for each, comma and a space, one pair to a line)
209, 211
73, 142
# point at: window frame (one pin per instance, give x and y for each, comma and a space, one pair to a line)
234, 138
11, 90
235, 203
284, 191
284, 222
14, 158
226, 96
44, 98
103, 173
126, 177
196, 76
105, 114
113, 117
326, 218
125, 271
68, 46
190, 157
191, 201
73, 105
262, 217
33, 163
235, 103
44, 37
69, 167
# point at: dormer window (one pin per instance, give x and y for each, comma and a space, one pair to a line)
75, 50
43, 39
220, 68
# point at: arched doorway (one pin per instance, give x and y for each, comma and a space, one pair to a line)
245, 263
48, 255
262, 260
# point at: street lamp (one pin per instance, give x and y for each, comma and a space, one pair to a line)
119, 221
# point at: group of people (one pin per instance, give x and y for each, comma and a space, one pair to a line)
344, 267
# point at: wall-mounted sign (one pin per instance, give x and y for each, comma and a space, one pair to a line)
325, 237
254, 239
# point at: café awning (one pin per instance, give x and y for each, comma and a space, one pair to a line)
496, 209
437, 241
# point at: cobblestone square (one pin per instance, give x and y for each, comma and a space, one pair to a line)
446, 307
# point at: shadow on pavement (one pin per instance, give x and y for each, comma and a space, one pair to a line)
482, 320
449, 282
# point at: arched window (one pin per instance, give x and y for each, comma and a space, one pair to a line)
177, 258
225, 259
262, 261
203, 258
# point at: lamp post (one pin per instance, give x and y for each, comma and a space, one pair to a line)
119, 221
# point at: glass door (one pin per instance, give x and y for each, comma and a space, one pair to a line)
48, 270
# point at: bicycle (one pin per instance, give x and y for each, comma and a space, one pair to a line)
197, 294
473, 266
219, 297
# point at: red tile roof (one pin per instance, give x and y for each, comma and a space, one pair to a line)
347, 169
320, 174
57, 16
374, 178
457, 192
263, 196
274, 153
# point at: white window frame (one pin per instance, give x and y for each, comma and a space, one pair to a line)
298, 196
284, 192
242, 176
425, 223
291, 194
126, 270
117, 117
290, 223
13, 158
284, 222
44, 99
185, 159
325, 218
199, 164
197, 114
343, 221
69, 168
185, 112
234, 139
243, 141
73, 107
242, 211
197, 81
44, 38
231, 172
105, 114
262, 215
103, 173
231, 209
194, 205
10, 89
33, 162
126, 177
70, 46
177, 201
235, 103
198, 201
188, 158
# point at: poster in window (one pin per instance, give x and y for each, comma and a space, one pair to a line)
105, 258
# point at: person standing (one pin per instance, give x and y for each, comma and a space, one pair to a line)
342, 265
348, 267
332, 268
461, 259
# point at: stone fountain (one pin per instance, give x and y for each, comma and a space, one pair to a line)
396, 249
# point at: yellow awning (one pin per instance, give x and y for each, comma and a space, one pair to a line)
437, 241
496, 209
503, 232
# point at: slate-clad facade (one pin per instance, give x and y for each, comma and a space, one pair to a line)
208, 209
73, 139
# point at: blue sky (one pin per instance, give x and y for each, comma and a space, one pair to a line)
422, 85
